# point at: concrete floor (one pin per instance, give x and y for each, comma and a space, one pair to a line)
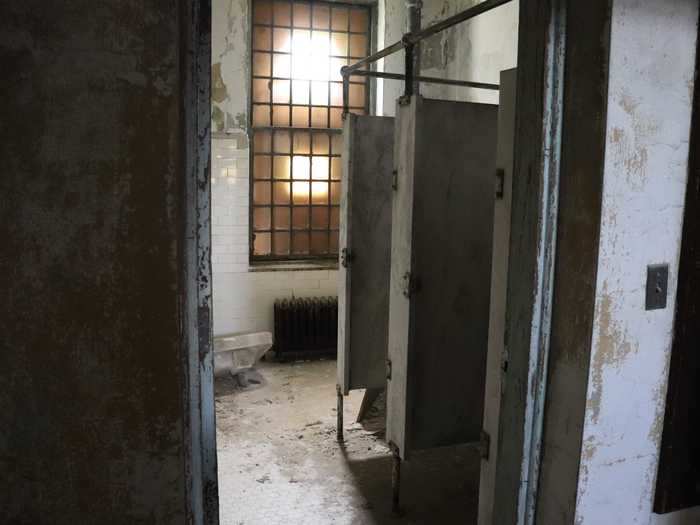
279, 461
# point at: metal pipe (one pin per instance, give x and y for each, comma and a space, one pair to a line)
395, 480
339, 415
414, 38
393, 48
415, 8
476, 10
346, 93
428, 80
408, 80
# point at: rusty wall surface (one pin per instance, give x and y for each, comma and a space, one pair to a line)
91, 425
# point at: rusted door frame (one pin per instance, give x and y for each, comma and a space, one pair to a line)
541, 50
202, 501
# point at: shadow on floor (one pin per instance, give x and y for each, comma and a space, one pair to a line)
437, 486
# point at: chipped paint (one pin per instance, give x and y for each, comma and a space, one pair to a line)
230, 64
648, 122
613, 348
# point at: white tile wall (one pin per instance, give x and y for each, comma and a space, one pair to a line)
243, 299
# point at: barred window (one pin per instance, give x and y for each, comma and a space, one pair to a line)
296, 114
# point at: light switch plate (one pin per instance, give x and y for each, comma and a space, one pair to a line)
657, 286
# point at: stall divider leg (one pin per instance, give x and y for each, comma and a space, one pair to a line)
395, 480
339, 410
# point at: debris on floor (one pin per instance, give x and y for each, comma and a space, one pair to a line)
279, 461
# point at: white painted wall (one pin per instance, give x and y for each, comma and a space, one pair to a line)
243, 298
649, 107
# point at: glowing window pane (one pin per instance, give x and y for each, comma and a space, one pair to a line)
319, 217
281, 243
339, 19
281, 66
262, 38
358, 20
261, 193
301, 167
282, 142
339, 44
319, 242
302, 15
281, 215
319, 169
299, 48
261, 245
281, 167
300, 91
319, 192
280, 91
300, 192
261, 64
300, 243
261, 90
262, 165
300, 218
319, 93
302, 142
281, 193
319, 117
262, 141
321, 16
321, 146
282, 13
282, 40
280, 116
261, 218
262, 12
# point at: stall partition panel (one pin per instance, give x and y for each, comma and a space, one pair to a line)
442, 224
365, 242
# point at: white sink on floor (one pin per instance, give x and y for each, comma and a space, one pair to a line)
239, 351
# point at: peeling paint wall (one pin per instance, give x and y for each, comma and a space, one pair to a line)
651, 82
230, 58
91, 388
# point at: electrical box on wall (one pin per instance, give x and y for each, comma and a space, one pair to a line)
657, 286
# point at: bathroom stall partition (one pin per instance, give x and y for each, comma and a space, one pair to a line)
441, 249
365, 246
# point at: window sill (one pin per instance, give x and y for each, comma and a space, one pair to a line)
292, 266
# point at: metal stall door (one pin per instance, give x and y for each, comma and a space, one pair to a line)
365, 242
499, 280
442, 222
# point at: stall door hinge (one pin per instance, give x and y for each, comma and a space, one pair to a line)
500, 182
388, 369
395, 180
411, 284
346, 257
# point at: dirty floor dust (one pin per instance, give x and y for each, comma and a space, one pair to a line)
279, 461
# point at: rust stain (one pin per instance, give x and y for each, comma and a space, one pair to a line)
659, 399
613, 348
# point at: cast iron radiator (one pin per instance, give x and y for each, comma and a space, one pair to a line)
306, 327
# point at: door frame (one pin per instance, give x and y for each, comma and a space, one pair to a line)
200, 468
541, 50
534, 216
